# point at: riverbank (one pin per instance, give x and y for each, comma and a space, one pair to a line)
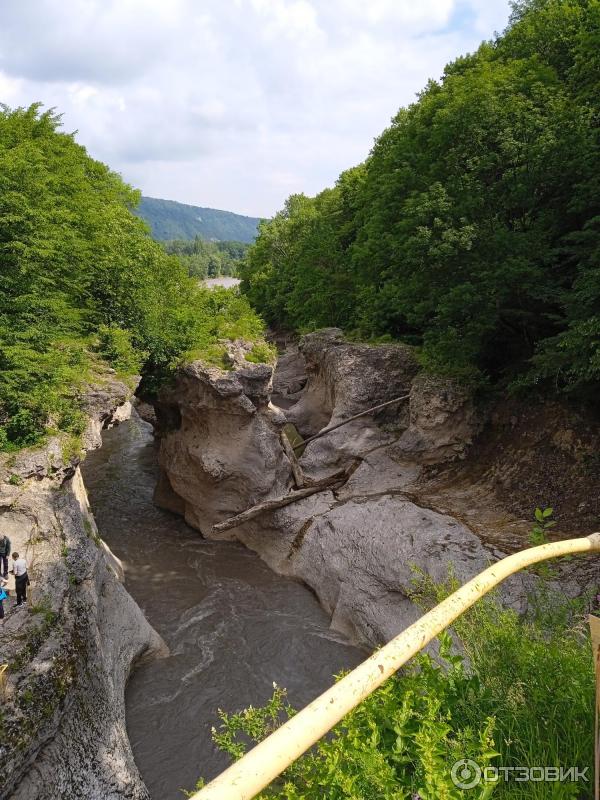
233, 626
71, 650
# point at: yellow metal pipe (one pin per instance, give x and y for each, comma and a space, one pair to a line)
3, 676
245, 778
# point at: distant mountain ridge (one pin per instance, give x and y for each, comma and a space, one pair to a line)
169, 219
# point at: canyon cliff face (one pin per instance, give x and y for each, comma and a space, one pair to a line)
356, 545
220, 449
69, 654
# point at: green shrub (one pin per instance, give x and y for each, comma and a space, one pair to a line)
396, 744
24, 428
215, 355
536, 678
262, 353
521, 694
116, 347
80, 277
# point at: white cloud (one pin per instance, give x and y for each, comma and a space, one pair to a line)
10, 89
295, 20
410, 16
232, 103
81, 94
104, 40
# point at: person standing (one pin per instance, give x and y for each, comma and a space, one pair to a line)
21, 578
4, 554
3, 597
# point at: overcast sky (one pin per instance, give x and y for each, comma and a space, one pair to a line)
232, 104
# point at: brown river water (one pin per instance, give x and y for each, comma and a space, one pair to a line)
232, 625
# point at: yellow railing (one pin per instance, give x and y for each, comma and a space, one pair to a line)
3, 677
261, 765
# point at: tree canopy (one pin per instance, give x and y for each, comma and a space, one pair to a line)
81, 282
473, 228
205, 259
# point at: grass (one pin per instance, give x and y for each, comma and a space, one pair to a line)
520, 694
262, 353
536, 677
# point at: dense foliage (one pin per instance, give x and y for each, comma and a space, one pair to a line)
473, 228
207, 259
521, 696
171, 220
81, 281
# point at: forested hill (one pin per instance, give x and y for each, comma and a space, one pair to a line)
472, 230
82, 284
171, 220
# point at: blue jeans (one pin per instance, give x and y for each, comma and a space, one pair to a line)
3, 565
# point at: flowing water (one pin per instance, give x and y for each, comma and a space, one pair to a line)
225, 281
233, 627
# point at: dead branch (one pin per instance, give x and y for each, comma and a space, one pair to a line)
350, 419
296, 468
336, 480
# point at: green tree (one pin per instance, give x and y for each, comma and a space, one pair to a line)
472, 229
81, 280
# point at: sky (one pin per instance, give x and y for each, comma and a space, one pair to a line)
232, 104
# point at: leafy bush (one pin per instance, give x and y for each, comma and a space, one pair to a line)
521, 693
472, 229
81, 277
536, 678
262, 353
115, 346
398, 743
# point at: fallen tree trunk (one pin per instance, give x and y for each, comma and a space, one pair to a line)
336, 480
350, 419
296, 468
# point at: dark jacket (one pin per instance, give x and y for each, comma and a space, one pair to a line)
4, 546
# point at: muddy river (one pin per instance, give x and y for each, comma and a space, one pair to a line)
233, 627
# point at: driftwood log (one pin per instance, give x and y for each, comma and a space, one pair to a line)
305, 486
297, 472
350, 419
331, 481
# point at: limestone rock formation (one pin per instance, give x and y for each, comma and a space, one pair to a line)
106, 404
289, 378
70, 652
443, 421
363, 556
345, 378
220, 448
356, 546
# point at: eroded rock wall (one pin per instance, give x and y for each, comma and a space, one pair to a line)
220, 448
70, 652
356, 546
